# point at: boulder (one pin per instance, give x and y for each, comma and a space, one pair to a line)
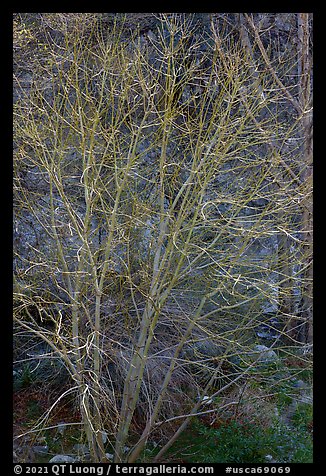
270, 459
297, 383
40, 450
81, 449
265, 354
63, 459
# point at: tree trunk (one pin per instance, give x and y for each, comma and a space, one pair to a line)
305, 98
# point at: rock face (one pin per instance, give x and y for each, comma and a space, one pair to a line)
33, 241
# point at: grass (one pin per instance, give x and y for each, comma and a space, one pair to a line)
22, 378
244, 442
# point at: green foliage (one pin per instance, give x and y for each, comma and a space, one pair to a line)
303, 415
243, 442
283, 399
22, 378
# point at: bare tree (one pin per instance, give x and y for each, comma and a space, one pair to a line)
145, 172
